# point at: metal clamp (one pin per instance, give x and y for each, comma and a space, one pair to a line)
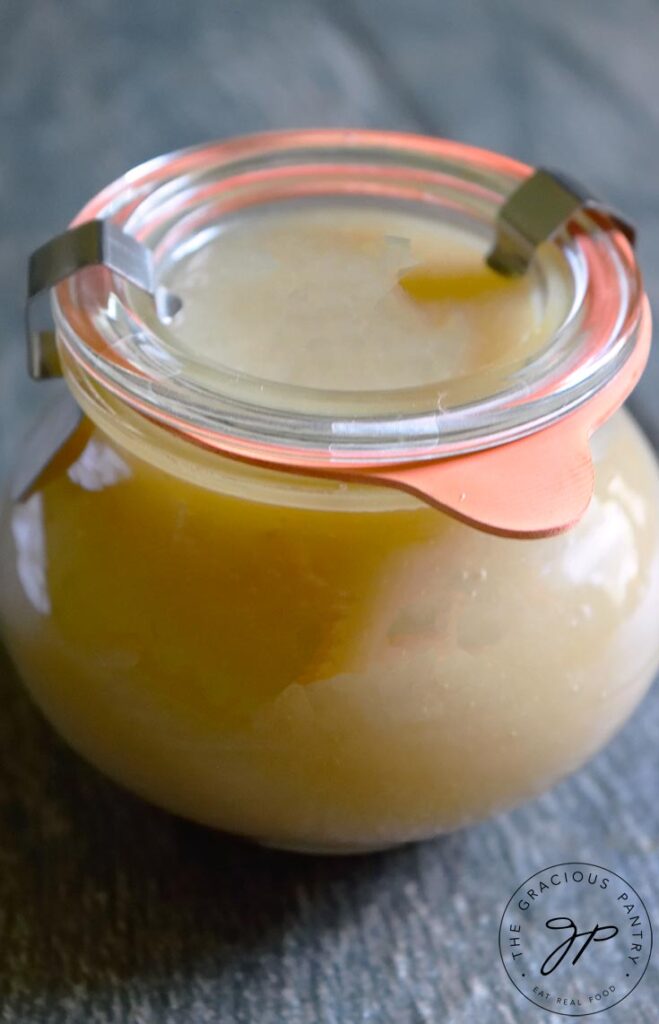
535, 211
94, 243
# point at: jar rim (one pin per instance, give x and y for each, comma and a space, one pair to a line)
109, 342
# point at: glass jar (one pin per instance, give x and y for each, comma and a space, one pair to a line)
247, 586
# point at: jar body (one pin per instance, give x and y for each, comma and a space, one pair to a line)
340, 669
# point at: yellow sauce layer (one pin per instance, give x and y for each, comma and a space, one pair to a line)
348, 674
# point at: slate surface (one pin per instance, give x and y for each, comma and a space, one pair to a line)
113, 912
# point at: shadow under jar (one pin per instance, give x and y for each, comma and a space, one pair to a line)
304, 570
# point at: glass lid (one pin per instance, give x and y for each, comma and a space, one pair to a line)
336, 306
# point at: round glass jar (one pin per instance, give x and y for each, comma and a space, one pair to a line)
216, 590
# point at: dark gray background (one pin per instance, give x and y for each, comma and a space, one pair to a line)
111, 911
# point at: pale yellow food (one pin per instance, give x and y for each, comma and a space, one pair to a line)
357, 301
320, 665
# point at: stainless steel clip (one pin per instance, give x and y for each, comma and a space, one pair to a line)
94, 243
535, 211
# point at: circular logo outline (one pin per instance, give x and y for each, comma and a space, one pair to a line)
575, 864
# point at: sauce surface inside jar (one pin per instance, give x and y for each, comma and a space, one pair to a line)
337, 297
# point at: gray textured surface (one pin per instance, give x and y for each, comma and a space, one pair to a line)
109, 910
